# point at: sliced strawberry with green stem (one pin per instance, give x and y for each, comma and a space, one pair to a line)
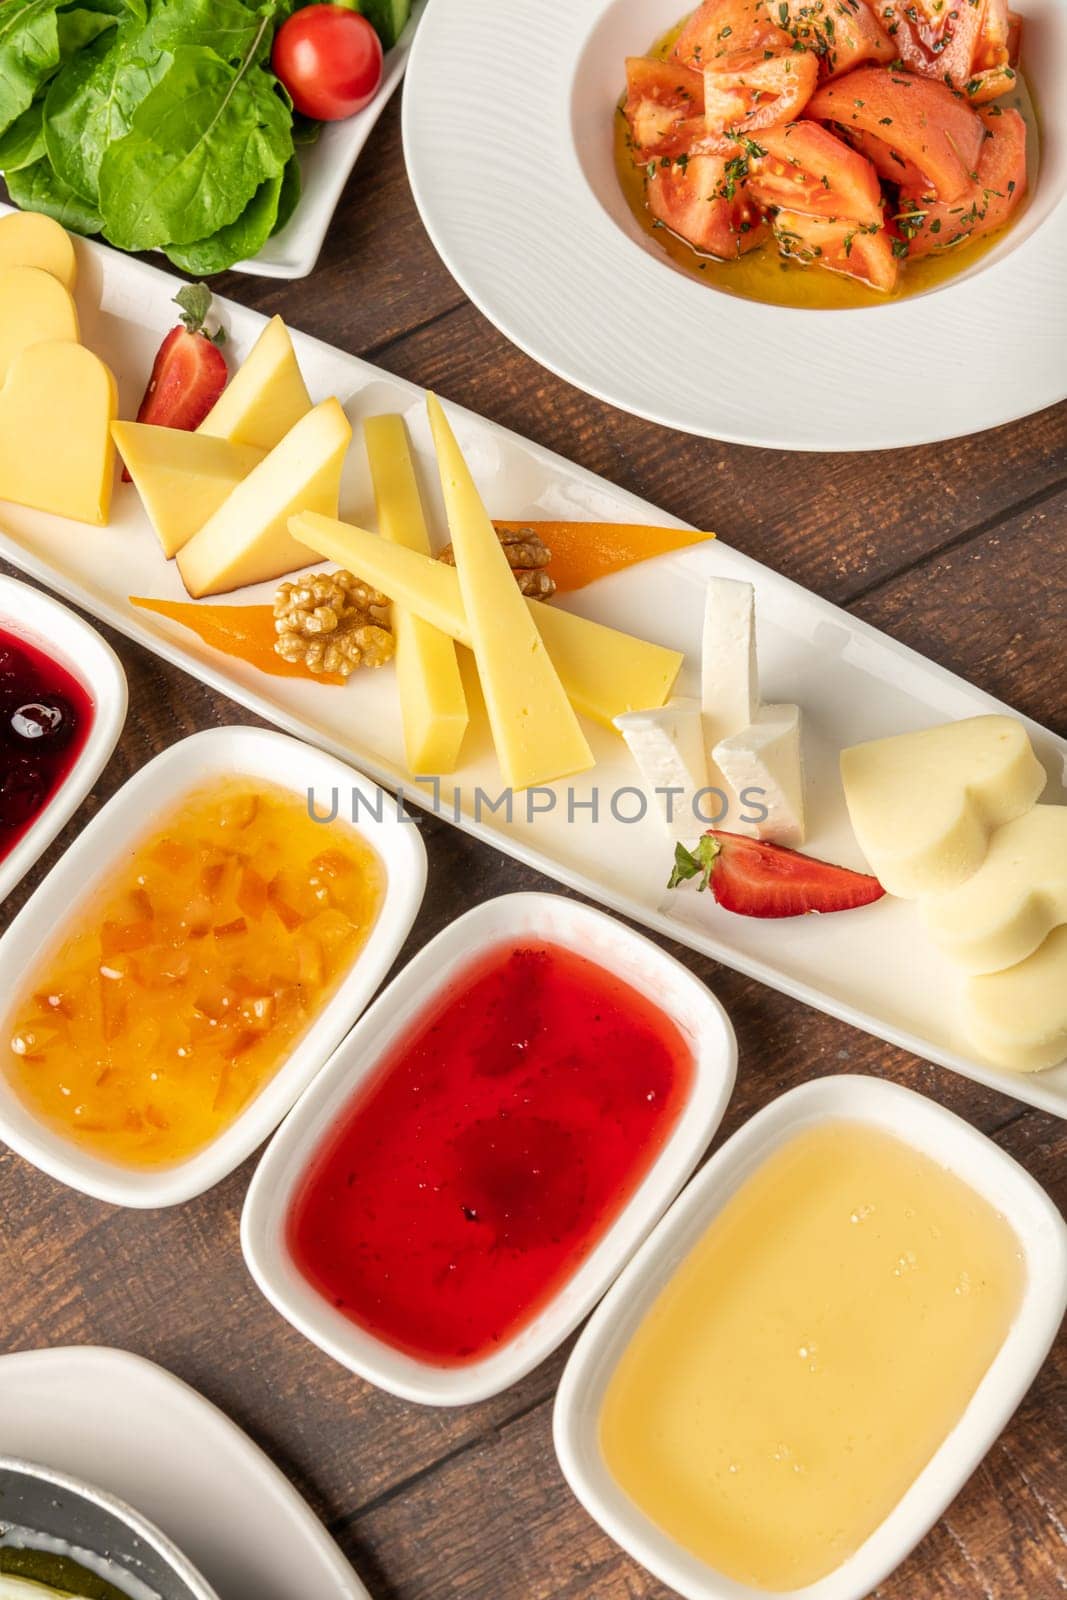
189, 372
756, 879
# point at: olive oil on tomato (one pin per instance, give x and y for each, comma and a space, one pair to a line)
495, 1144
765, 275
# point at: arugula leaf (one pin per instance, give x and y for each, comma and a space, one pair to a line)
23, 143
79, 27
37, 188
29, 53
90, 102
232, 28
200, 144
238, 240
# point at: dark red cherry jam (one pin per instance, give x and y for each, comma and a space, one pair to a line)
45, 716
495, 1145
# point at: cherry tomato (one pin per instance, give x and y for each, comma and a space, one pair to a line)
330, 61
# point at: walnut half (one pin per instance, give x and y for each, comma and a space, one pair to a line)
331, 622
528, 556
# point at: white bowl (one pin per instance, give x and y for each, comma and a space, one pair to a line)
324, 170
58, 633
538, 234
955, 1145
519, 916
105, 844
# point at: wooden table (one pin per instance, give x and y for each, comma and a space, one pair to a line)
959, 550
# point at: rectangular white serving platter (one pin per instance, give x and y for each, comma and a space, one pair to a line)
872, 967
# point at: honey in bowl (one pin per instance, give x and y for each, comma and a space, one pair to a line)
179, 988
810, 1354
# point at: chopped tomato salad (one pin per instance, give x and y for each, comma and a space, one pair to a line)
853, 137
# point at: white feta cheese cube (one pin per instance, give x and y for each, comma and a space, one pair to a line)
667, 744
762, 764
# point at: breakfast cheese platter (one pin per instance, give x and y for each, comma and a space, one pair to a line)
694, 673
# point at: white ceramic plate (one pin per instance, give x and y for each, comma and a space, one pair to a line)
538, 234
131, 815
324, 170
143, 1435
868, 967
57, 632
951, 1142
512, 917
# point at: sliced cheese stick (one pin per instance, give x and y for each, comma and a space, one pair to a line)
729, 673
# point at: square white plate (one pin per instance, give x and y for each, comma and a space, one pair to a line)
324, 170
128, 1426
105, 843
871, 967
523, 917
940, 1135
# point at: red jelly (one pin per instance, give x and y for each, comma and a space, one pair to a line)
45, 716
499, 1139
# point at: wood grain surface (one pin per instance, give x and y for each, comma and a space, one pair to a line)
959, 550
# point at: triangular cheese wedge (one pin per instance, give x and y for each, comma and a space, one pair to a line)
34, 307
56, 409
265, 397
433, 705
924, 804
248, 540
182, 478
604, 672
537, 735
30, 239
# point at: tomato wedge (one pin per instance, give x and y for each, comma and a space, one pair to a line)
922, 120
664, 105
856, 251
750, 89
719, 27
945, 42
842, 33
889, 164
805, 168
703, 201
931, 225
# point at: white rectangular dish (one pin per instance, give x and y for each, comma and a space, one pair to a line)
600, 939
853, 683
133, 812
324, 170
955, 1145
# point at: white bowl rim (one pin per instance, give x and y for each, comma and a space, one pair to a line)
570, 308
954, 1143
65, 637
489, 924
162, 782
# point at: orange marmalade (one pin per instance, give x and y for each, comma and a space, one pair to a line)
180, 986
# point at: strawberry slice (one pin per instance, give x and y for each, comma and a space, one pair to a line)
189, 372
757, 879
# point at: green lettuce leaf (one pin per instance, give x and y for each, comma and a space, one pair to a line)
89, 105
199, 146
238, 240
37, 188
29, 53
23, 142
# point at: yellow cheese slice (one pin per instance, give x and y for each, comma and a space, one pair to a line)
34, 307
182, 478
1018, 1018
537, 735
265, 397
1001, 913
924, 804
57, 405
248, 539
30, 239
604, 672
432, 702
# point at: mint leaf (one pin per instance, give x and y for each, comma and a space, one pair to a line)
200, 144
